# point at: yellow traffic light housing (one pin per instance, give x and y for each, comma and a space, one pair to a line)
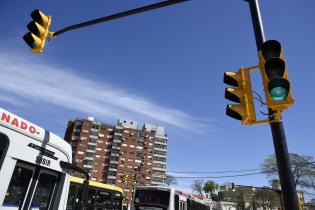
233, 187
38, 31
123, 178
300, 198
275, 77
134, 178
241, 93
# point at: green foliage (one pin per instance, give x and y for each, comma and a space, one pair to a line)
210, 187
248, 198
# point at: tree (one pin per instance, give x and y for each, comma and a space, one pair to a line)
197, 186
266, 199
210, 187
303, 169
170, 180
240, 196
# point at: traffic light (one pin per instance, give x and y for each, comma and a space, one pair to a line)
124, 178
300, 200
275, 77
233, 187
134, 178
38, 31
241, 93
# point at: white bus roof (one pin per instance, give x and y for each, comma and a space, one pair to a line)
27, 128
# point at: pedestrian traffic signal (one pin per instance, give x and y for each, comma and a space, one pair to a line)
38, 31
240, 93
275, 77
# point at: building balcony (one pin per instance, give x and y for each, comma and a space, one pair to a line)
160, 162
95, 130
111, 177
117, 140
159, 155
112, 169
89, 158
158, 175
159, 169
90, 151
93, 137
161, 149
161, 143
87, 166
92, 143
155, 182
117, 134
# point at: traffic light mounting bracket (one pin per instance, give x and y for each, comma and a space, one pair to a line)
276, 116
247, 70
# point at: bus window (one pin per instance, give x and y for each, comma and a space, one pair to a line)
145, 198
44, 191
117, 201
74, 197
176, 202
4, 144
102, 200
91, 199
17, 188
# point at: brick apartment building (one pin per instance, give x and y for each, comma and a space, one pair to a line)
108, 152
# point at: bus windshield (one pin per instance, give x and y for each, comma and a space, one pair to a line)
151, 199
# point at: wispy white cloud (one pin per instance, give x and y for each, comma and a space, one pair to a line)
40, 82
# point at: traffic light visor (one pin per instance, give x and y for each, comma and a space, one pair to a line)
275, 67
271, 49
235, 111
233, 94
40, 17
231, 78
32, 40
279, 89
36, 28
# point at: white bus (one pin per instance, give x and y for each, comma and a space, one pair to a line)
165, 198
34, 166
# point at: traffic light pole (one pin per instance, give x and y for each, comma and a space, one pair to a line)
281, 149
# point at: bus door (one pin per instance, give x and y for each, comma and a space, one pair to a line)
182, 205
91, 199
117, 201
31, 187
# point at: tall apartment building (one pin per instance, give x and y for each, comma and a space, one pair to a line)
108, 152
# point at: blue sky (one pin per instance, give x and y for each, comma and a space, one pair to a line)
161, 67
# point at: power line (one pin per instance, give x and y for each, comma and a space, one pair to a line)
217, 177
214, 172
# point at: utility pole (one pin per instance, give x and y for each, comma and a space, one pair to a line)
288, 187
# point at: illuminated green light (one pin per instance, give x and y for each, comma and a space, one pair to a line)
279, 94
279, 89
